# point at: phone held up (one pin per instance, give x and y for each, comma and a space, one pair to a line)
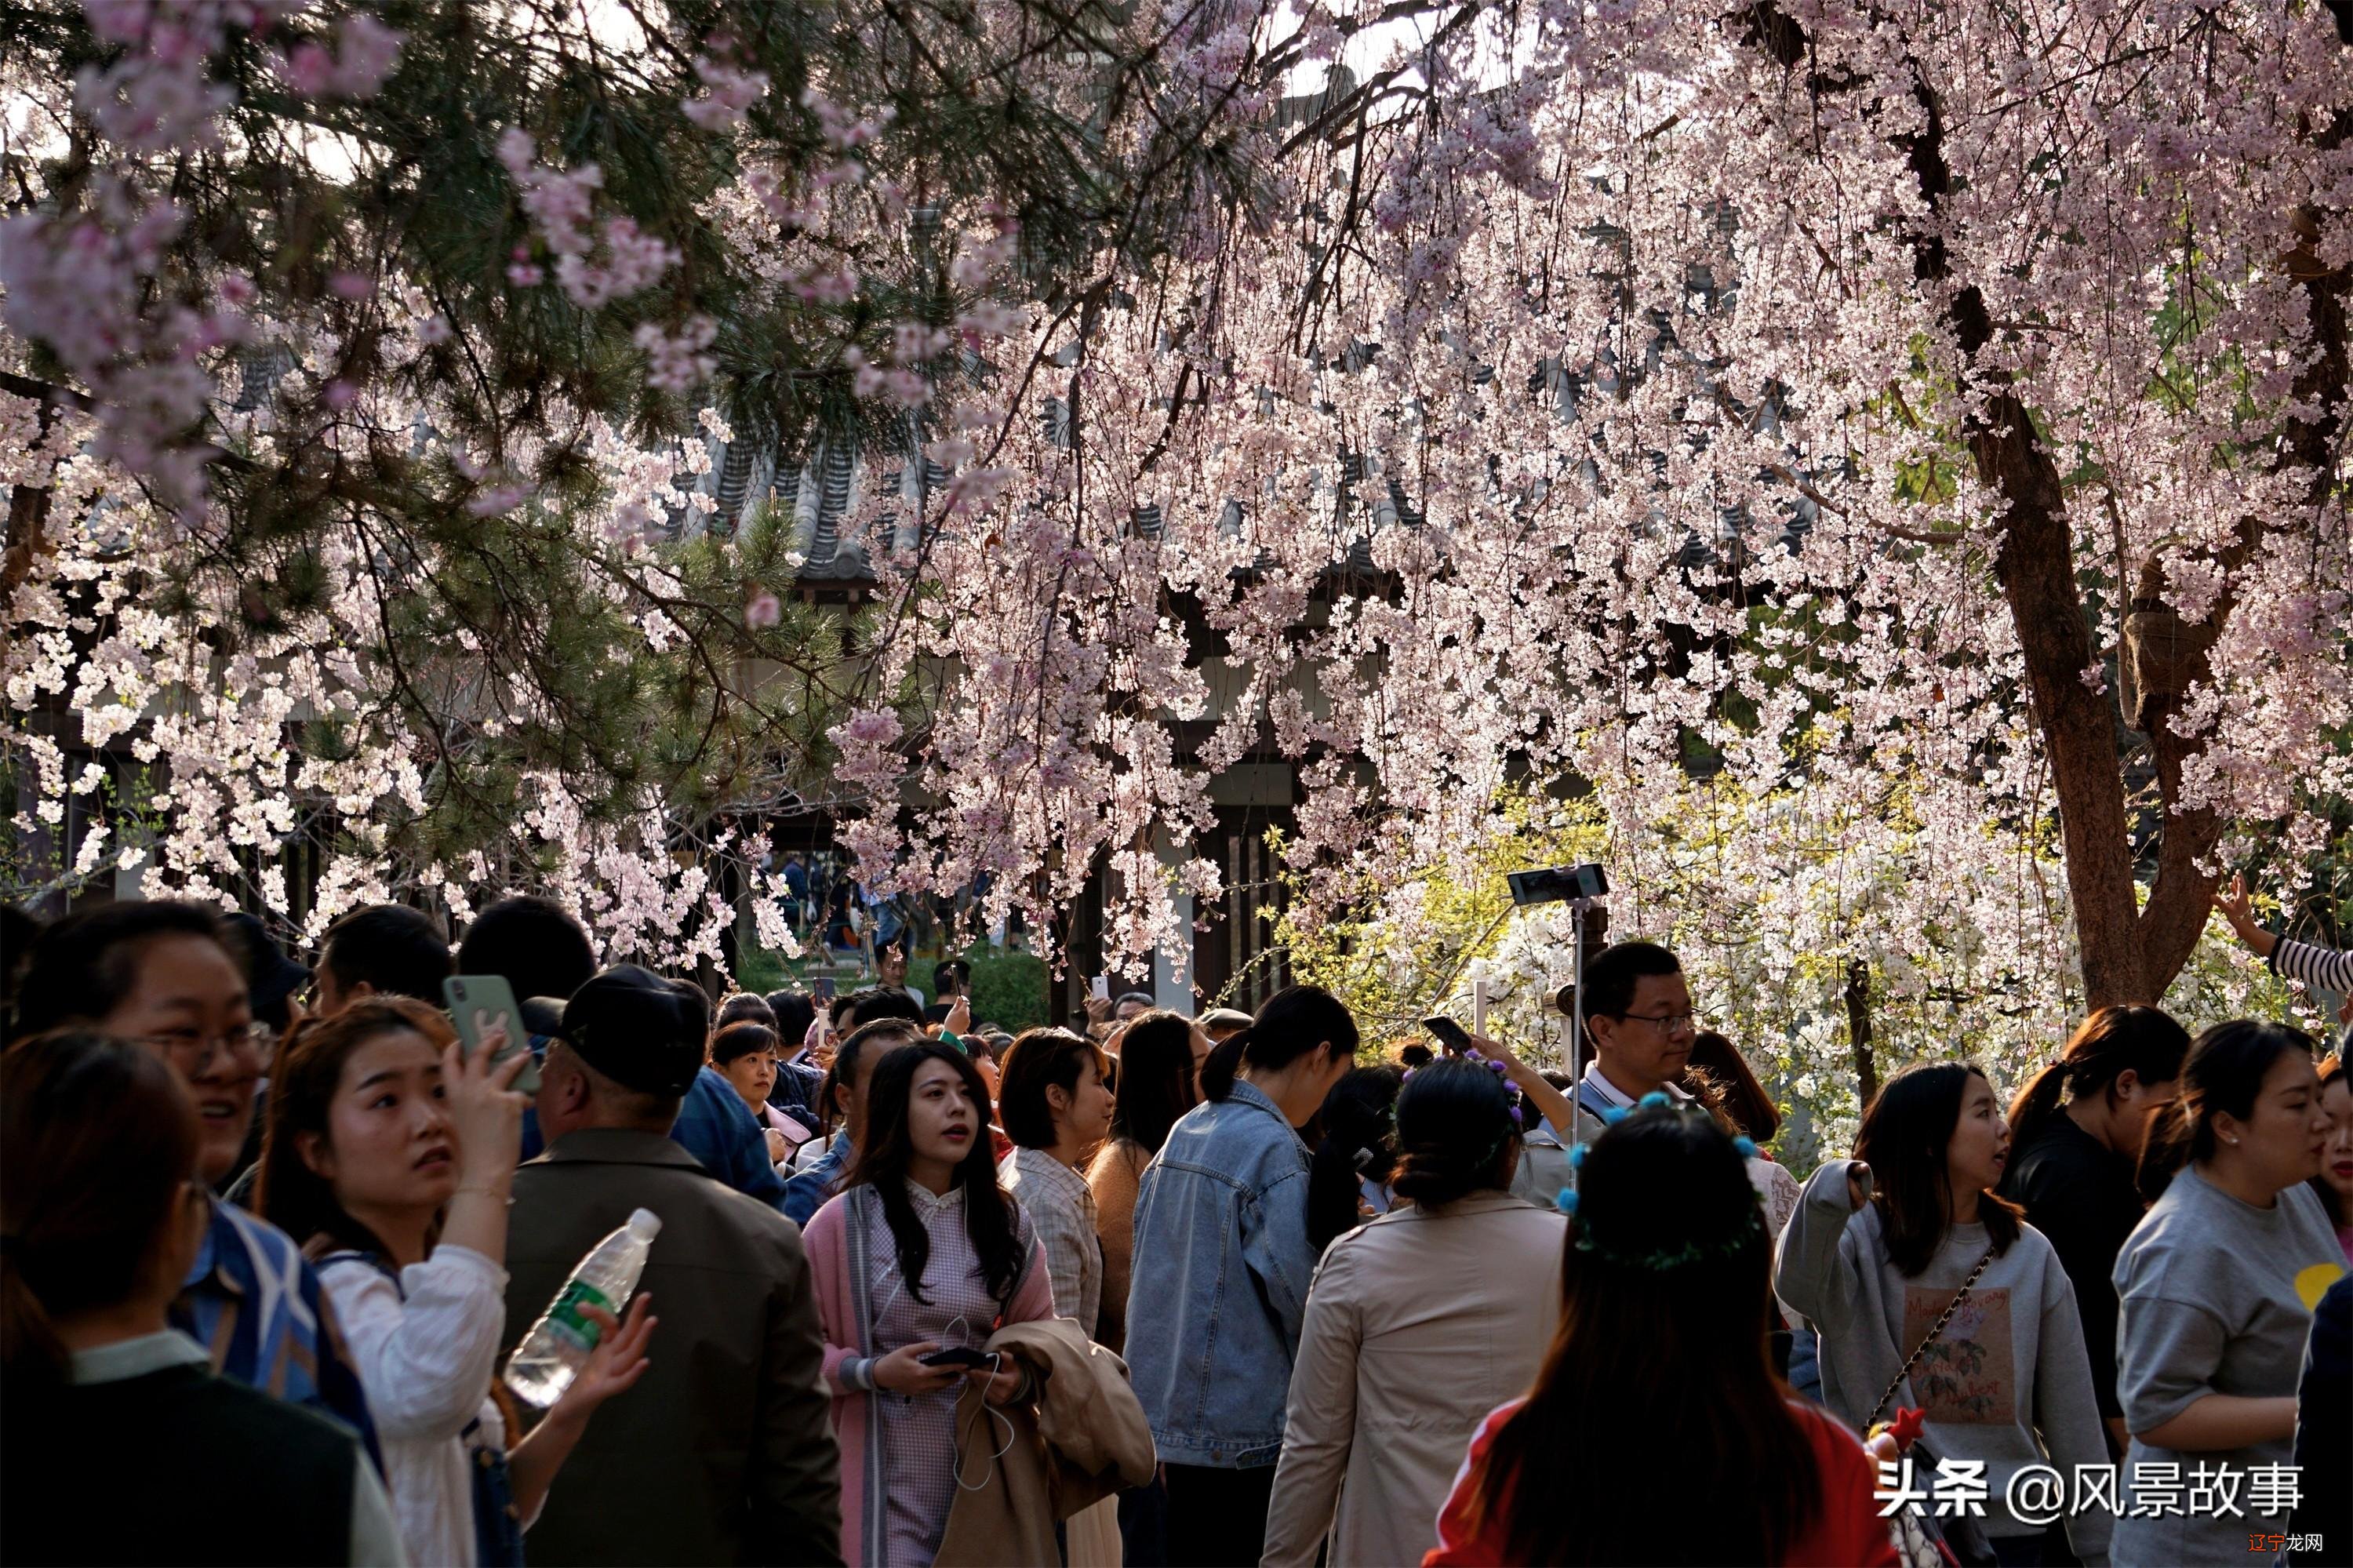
479, 1003
1448, 1034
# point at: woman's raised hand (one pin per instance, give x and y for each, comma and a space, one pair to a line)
485, 1112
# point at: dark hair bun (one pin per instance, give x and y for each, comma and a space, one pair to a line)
1454, 1123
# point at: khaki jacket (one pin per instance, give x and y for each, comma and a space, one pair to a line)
724, 1452
1084, 1439
1418, 1325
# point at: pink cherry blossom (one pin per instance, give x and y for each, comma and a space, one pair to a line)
677, 363
728, 93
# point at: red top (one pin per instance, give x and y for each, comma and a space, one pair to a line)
1842, 1530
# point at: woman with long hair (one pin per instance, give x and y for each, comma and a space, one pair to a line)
1347, 1174
1419, 1324
2218, 1283
922, 1251
391, 1151
1720, 1078
2075, 1133
2334, 1185
1159, 1054
1222, 1263
1717, 1070
1930, 1292
102, 1207
1656, 1430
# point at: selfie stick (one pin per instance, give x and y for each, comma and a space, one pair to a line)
1576, 912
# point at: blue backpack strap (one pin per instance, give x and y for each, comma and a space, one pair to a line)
372, 1260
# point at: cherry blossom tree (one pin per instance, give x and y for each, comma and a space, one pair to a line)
1889, 459
1886, 460
365, 364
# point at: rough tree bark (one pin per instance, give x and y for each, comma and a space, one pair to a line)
2129, 954
1858, 1029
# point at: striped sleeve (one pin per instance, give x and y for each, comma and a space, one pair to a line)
2328, 969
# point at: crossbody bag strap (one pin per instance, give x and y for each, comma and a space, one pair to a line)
1935, 1333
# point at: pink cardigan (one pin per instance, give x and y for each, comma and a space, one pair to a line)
837, 1264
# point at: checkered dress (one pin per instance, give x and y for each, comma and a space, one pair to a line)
1058, 1202
918, 1431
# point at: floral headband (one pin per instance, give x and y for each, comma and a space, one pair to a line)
1513, 1099
1660, 1259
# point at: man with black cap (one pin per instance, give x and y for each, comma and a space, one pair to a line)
729, 1455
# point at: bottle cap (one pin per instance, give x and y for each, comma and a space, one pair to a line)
645, 1225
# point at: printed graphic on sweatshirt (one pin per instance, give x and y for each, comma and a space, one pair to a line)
1969, 1375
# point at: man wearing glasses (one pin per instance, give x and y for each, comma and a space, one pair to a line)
1637, 1032
1637, 1018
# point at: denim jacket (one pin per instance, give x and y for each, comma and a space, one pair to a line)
1222, 1266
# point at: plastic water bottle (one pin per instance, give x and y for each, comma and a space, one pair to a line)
559, 1344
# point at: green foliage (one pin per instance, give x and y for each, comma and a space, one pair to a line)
1768, 942
757, 968
1008, 987
1405, 950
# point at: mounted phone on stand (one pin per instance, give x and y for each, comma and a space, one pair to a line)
1583, 888
1558, 883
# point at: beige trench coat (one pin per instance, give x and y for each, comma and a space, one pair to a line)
1419, 1324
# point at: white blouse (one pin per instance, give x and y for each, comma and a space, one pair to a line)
426, 1364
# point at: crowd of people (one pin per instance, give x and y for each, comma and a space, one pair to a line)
1149, 1288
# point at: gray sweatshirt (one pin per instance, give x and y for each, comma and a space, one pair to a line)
2214, 1298
2009, 1383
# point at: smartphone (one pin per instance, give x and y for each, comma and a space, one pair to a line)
957, 1356
479, 1003
1448, 1034
1558, 883
796, 1132
821, 989
1100, 988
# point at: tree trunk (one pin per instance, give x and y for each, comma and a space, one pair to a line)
28, 509
2169, 927
1858, 1030
2128, 955
2035, 564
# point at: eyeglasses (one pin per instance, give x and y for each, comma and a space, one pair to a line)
192, 1051
1667, 1023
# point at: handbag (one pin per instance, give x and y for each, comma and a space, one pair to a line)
1962, 1538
